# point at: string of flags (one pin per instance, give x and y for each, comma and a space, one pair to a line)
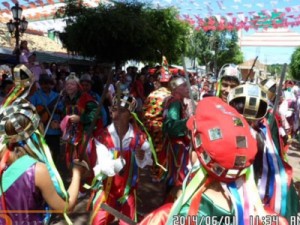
254, 21
229, 17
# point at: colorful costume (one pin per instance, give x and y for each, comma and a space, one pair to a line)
75, 134
153, 121
118, 189
18, 191
226, 148
272, 173
289, 204
22, 201
177, 142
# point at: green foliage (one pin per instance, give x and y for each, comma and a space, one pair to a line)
275, 69
295, 64
122, 31
204, 45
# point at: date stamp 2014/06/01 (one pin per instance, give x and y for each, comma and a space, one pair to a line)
230, 220
203, 220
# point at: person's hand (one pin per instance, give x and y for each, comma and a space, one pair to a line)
139, 153
74, 119
80, 167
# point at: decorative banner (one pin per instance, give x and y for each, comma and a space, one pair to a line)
207, 15
264, 19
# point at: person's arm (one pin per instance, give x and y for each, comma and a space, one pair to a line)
44, 184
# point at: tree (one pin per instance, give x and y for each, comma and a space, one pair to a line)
215, 48
122, 31
295, 64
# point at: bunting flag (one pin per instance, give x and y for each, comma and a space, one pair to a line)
208, 15
6, 4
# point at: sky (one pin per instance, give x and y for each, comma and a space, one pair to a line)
235, 8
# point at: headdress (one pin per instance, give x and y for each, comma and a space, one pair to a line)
19, 107
72, 76
230, 70
249, 100
164, 73
222, 139
23, 79
176, 82
126, 101
269, 86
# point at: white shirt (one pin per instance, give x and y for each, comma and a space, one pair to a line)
107, 165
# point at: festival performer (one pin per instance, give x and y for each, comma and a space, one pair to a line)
128, 146
220, 187
80, 110
273, 175
280, 137
49, 106
28, 175
289, 109
86, 83
229, 77
175, 132
153, 119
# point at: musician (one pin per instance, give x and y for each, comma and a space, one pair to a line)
46, 100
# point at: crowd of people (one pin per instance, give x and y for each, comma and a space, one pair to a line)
219, 146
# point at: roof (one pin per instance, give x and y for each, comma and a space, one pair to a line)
248, 64
35, 42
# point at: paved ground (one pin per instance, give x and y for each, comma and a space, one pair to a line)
151, 195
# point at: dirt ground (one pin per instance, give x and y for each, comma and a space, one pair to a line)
149, 196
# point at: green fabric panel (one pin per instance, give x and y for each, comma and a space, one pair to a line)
173, 124
292, 206
207, 210
89, 114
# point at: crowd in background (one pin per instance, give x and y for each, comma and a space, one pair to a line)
69, 104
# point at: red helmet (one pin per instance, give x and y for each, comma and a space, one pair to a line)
222, 139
